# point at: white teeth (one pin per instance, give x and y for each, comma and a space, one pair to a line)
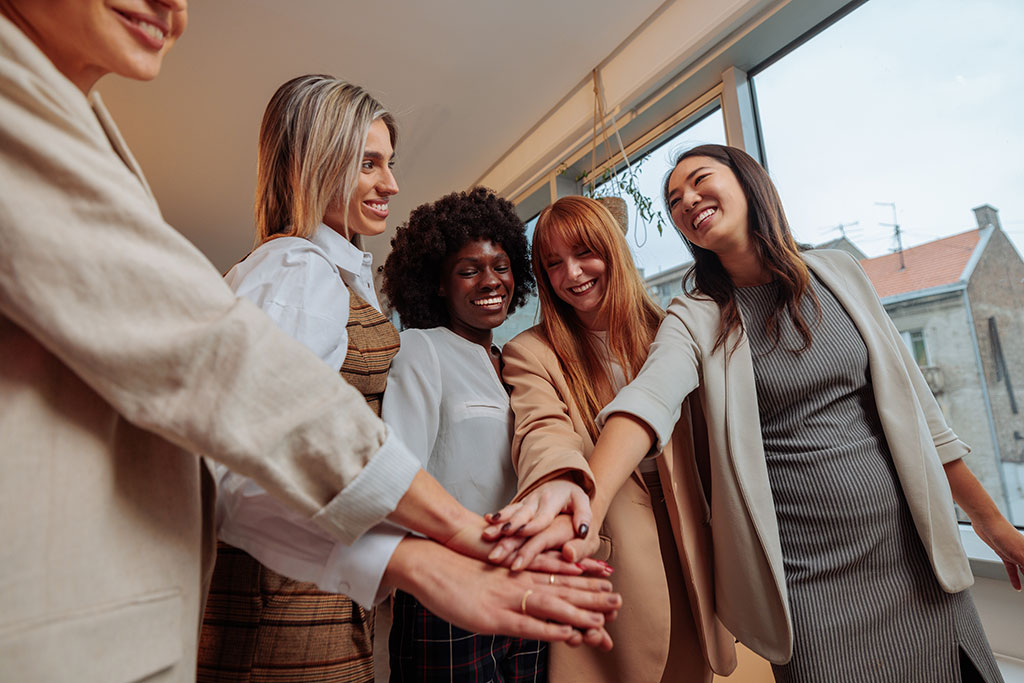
153, 31
582, 288
706, 213
493, 301
377, 207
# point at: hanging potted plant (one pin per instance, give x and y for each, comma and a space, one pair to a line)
610, 187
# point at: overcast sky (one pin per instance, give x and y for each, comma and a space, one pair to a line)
906, 101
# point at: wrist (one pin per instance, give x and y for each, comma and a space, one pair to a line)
430, 510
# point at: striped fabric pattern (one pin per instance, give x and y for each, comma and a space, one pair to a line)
262, 627
865, 604
431, 650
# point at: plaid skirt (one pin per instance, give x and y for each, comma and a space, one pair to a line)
260, 626
425, 648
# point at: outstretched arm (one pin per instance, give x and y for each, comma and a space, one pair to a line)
988, 522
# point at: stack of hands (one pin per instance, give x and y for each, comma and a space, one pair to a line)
541, 546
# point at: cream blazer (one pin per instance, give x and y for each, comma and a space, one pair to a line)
121, 352
551, 438
750, 590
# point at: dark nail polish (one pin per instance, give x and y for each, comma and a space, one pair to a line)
519, 529
582, 531
506, 526
495, 516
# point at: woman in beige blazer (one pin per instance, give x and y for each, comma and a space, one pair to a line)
836, 551
656, 538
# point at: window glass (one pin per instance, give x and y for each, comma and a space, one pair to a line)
525, 316
907, 113
654, 252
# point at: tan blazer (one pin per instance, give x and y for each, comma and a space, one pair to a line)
551, 438
121, 350
750, 591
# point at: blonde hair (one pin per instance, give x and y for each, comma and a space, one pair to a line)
631, 314
311, 146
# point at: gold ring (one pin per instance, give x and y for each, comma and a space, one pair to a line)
522, 605
551, 579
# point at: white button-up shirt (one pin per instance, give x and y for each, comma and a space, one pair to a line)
301, 285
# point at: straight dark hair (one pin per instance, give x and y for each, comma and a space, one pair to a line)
776, 249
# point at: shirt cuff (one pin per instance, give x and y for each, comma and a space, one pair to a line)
372, 495
357, 570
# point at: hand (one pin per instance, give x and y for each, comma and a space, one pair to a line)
559, 534
1008, 544
486, 599
468, 542
538, 508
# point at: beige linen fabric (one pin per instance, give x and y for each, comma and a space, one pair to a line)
121, 350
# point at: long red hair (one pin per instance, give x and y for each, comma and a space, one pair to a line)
631, 314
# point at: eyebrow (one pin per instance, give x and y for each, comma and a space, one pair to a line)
376, 156
688, 177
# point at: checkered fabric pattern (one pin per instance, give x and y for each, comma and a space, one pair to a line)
425, 649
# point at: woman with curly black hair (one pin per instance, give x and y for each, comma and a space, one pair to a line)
456, 270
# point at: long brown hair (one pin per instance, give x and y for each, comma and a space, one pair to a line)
631, 314
777, 250
311, 145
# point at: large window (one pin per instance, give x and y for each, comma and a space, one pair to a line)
907, 113
655, 252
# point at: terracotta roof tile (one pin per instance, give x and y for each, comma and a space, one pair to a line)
927, 265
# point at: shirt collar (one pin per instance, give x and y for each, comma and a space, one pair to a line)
343, 253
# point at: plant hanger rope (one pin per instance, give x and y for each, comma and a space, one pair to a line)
600, 115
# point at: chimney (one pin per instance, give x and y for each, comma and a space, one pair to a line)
987, 215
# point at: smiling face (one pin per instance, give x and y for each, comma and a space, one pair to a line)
578, 277
367, 212
477, 285
86, 39
708, 206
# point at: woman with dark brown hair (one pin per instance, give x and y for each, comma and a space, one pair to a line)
827, 463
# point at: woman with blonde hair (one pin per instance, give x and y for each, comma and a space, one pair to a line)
323, 180
597, 323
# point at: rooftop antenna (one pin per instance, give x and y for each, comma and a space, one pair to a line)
843, 226
896, 232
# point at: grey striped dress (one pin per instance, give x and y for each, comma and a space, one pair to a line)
865, 604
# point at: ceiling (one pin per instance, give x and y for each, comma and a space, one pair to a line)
466, 79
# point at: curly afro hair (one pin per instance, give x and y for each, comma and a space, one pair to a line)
412, 271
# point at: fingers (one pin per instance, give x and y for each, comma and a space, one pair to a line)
554, 536
578, 548
595, 567
504, 548
497, 520
581, 514
551, 561
584, 609
576, 583
1013, 573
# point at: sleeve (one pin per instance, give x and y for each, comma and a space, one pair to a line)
297, 286
670, 373
947, 443
90, 270
412, 401
545, 443
291, 544
301, 291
